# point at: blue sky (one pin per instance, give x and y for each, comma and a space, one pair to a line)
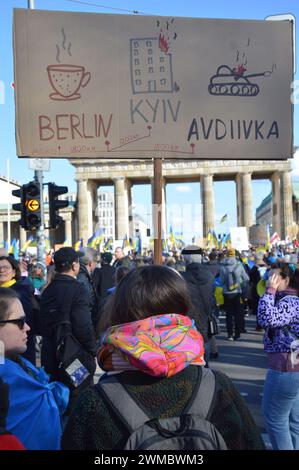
61, 171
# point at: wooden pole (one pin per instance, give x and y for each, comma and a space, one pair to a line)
158, 210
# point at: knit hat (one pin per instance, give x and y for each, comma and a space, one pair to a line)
40, 264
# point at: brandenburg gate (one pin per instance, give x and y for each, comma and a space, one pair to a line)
123, 174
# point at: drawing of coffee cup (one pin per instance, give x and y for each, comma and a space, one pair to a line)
66, 80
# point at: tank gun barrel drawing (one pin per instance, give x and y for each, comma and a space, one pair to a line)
267, 73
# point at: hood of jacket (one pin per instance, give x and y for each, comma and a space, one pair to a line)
230, 262
200, 274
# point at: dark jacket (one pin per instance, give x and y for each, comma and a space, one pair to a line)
65, 292
201, 288
255, 273
85, 279
25, 290
95, 426
214, 267
103, 279
125, 261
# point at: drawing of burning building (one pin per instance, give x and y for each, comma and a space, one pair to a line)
151, 66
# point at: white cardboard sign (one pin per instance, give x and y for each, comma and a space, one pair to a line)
121, 86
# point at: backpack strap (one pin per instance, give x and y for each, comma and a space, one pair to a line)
204, 395
133, 416
126, 408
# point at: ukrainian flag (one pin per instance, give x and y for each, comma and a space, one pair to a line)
126, 242
78, 245
27, 243
107, 244
215, 239
227, 241
172, 238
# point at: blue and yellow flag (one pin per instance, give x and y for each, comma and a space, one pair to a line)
126, 242
227, 241
107, 244
27, 243
215, 239
172, 239
78, 245
15, 248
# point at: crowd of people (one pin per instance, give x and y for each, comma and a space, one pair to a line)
152, 331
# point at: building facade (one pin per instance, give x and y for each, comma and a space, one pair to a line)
264, 213
83, 217
105, 213
124, 174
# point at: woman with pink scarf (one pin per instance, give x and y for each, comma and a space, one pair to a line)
155, 351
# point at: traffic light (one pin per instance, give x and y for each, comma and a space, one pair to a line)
20, 206
55, 204
29, 205
33, 205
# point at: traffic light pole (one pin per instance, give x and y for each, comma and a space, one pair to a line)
38, 176
40, 235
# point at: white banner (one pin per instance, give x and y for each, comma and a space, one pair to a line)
239, 238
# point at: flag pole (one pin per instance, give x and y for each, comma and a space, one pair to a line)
227, 226
8, 206
158, 210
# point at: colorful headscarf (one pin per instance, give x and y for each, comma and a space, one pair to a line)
160, 346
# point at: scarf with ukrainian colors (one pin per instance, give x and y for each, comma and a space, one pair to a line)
8, 283
160, 346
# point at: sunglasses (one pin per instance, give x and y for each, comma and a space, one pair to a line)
20, 322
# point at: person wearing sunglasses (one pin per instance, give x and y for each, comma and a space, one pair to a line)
35, 405
10, 277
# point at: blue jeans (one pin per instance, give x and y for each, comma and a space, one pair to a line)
281, 409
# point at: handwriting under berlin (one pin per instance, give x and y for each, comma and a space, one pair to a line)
232, 129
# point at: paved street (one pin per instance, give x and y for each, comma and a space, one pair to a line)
245, 363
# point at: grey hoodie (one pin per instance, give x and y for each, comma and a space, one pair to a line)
231, 265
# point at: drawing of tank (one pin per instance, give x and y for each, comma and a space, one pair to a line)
227, 82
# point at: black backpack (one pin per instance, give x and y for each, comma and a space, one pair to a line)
75, 365
190, 431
